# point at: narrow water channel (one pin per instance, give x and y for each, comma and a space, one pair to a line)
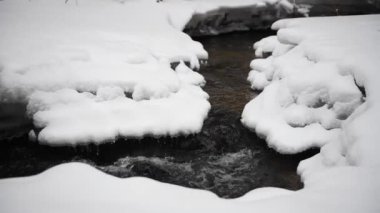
224, 158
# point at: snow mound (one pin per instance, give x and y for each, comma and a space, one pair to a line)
310, 84
120, 195
99, 70
69, 117
320, 88
102, 67
77, 187
186, 75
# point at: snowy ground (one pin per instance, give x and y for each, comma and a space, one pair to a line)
71, 81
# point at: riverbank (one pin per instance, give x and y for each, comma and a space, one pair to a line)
341, 178
225, 157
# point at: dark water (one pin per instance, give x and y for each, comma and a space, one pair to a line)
225, 157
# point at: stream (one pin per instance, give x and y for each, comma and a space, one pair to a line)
225, 157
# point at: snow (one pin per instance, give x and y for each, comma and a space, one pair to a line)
72, 69
69, 117
202, 6
343, 177
77, 187
73, 82
309, 82
311, 97
181, 11
187, 75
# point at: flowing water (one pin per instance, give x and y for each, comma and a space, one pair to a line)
224, 157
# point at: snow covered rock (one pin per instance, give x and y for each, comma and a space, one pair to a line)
97, 70
238, 15
186, 75
69, 117
310, 84
320, 88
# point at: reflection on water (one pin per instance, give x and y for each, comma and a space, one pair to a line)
224, 157
13, 121
227, 69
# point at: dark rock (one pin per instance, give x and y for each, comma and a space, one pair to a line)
225, 20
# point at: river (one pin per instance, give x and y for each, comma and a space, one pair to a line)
224, 157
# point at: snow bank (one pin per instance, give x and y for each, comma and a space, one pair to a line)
77, 187
93, 70
311, 81
69, 117
96, 70
310, 89
320, 88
